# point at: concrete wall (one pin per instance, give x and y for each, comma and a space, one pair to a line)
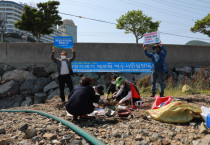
35, 53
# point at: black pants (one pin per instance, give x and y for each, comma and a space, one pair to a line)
64, 79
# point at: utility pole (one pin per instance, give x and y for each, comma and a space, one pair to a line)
25, 36
3, 21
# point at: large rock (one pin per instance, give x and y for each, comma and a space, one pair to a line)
106, 78
51, 68
39, 72
6, 67
39, 98
186, 89
13, 101
184, 70
197, 70
181, 78
128, 76
32, 86
92, 75
1, 71
28, 101
53, 94
75, 80
50, 86
9, 88
18, 75
142, 75
174, 75
23, 66
54, 76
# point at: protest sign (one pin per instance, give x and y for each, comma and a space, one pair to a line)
152, 38
63, 42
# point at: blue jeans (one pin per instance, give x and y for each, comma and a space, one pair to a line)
157, 77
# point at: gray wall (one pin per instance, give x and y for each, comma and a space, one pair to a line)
35, 53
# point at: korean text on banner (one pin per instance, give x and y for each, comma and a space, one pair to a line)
94, 66
63, 42
152, 38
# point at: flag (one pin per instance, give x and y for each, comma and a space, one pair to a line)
134, 92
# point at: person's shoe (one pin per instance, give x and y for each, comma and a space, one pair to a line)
75, 117
153, 95
161, 94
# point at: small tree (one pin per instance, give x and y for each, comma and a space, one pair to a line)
40, 21
202, 26
137, 23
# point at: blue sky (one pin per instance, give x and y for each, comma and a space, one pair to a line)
177, 17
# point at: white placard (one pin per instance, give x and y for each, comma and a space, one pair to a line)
152, 38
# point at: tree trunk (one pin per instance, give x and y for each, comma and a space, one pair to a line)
137, 40
37, 38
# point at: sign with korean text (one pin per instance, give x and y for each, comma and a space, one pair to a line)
152, 38
63, 42
93, 66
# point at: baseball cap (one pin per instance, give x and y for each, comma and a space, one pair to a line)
119, 80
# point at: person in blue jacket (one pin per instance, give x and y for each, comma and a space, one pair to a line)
158, 66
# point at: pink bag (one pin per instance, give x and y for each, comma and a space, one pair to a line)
161, 101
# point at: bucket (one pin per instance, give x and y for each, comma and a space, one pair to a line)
139, 104
208, 121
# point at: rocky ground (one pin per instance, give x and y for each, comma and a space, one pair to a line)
136, 129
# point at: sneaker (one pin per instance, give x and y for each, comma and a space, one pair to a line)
153, 95
161, 94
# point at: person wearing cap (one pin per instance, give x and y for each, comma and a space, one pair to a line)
81, 99
158, 66
112, 87
64, 71
124, 93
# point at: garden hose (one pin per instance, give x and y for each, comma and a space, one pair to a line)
92, 139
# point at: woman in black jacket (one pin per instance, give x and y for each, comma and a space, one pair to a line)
81, 99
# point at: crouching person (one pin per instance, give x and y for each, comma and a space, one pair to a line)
99, 91
81, 99
128, 92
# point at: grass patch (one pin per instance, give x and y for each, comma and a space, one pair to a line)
200, 84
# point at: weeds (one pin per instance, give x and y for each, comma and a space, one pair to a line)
199, 82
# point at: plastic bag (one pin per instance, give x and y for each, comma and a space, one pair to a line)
205, 112
161, 101
175, 112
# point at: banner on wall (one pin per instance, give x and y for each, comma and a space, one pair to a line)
65, 42
92, 66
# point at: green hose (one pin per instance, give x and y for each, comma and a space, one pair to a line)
92, 139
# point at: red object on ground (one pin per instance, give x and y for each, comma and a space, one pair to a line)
123, 112
83, 116
161, 101
133, 106
134, 93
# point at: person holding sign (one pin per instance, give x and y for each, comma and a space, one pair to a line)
65, 71
158, 66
